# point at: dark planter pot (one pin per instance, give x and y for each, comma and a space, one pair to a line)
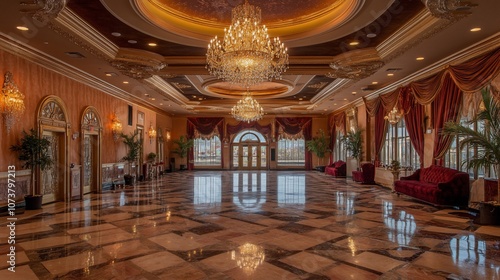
183, 167
129, 180
33, 202
489, 214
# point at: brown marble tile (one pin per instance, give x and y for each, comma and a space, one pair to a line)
157, 261
85, 260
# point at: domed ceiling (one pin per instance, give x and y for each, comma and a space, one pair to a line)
153, 52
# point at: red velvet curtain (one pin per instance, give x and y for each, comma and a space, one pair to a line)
445, 108
293, 126
205, 126
414, 120
380, 131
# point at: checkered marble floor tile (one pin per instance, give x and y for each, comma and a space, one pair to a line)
249, 225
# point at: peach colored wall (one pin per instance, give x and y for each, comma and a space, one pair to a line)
36, 82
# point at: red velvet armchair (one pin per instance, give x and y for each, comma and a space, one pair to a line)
336, 169
366, 175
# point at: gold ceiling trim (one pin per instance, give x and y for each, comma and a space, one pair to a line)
186, 25
449, 9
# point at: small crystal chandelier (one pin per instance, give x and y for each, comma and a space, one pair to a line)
393, 116
11, 102
247, 109
247, 56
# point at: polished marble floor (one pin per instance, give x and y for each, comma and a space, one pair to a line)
249, 225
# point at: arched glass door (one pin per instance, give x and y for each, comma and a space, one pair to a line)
249, 151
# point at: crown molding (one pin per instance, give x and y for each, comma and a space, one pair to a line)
89, 36
26, 52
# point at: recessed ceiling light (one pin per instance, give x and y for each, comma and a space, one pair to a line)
420, 58
152, 44
354, 92
345, 99
111, 74
153, 98
22, 28
335, 104
374, 83
116, 34
200, 98
354, 43
301, 99
161, 104
132, 41
390, 74
371, 35
125, 82
146, 94
475, 29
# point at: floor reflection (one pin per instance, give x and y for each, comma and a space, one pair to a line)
401, 224
291, 189
249, 190
207, 191
248, 257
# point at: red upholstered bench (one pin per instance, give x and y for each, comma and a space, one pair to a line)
336, 169
437, 185
366, 175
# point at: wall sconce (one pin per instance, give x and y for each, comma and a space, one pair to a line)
151, 133
11, 102
168, 135
116, 127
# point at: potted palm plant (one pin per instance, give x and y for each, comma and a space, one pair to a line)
354, 144
183, 146
33, 150
487, 143
134, 144
320, 146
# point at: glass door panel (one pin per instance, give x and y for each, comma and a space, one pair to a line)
244, 156
254, 157
236, 153
263, 156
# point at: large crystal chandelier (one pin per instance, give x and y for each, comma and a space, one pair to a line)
247, 109
11, 102
247, 56
393, 116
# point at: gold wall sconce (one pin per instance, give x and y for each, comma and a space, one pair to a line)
116, 127
11, 102
151, 133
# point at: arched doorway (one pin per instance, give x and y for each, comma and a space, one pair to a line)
91, 127
249, 151
53, 125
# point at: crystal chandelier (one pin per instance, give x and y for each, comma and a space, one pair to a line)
393, 116
247, 56
247, 109
11, 102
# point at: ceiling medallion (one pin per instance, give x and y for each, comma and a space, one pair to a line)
246, 56
449, 9
355, 65
138, 64
247, 109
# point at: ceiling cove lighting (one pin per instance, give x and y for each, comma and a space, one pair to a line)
247, 109
246, 56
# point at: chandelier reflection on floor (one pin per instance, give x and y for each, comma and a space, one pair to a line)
247, 109
393, 116
248, 257
246, 56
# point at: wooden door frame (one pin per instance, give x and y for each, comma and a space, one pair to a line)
57, 123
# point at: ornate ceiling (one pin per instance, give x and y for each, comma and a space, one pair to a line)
326, 73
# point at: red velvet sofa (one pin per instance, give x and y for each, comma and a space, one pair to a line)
337, 169
436, 185
366, 175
